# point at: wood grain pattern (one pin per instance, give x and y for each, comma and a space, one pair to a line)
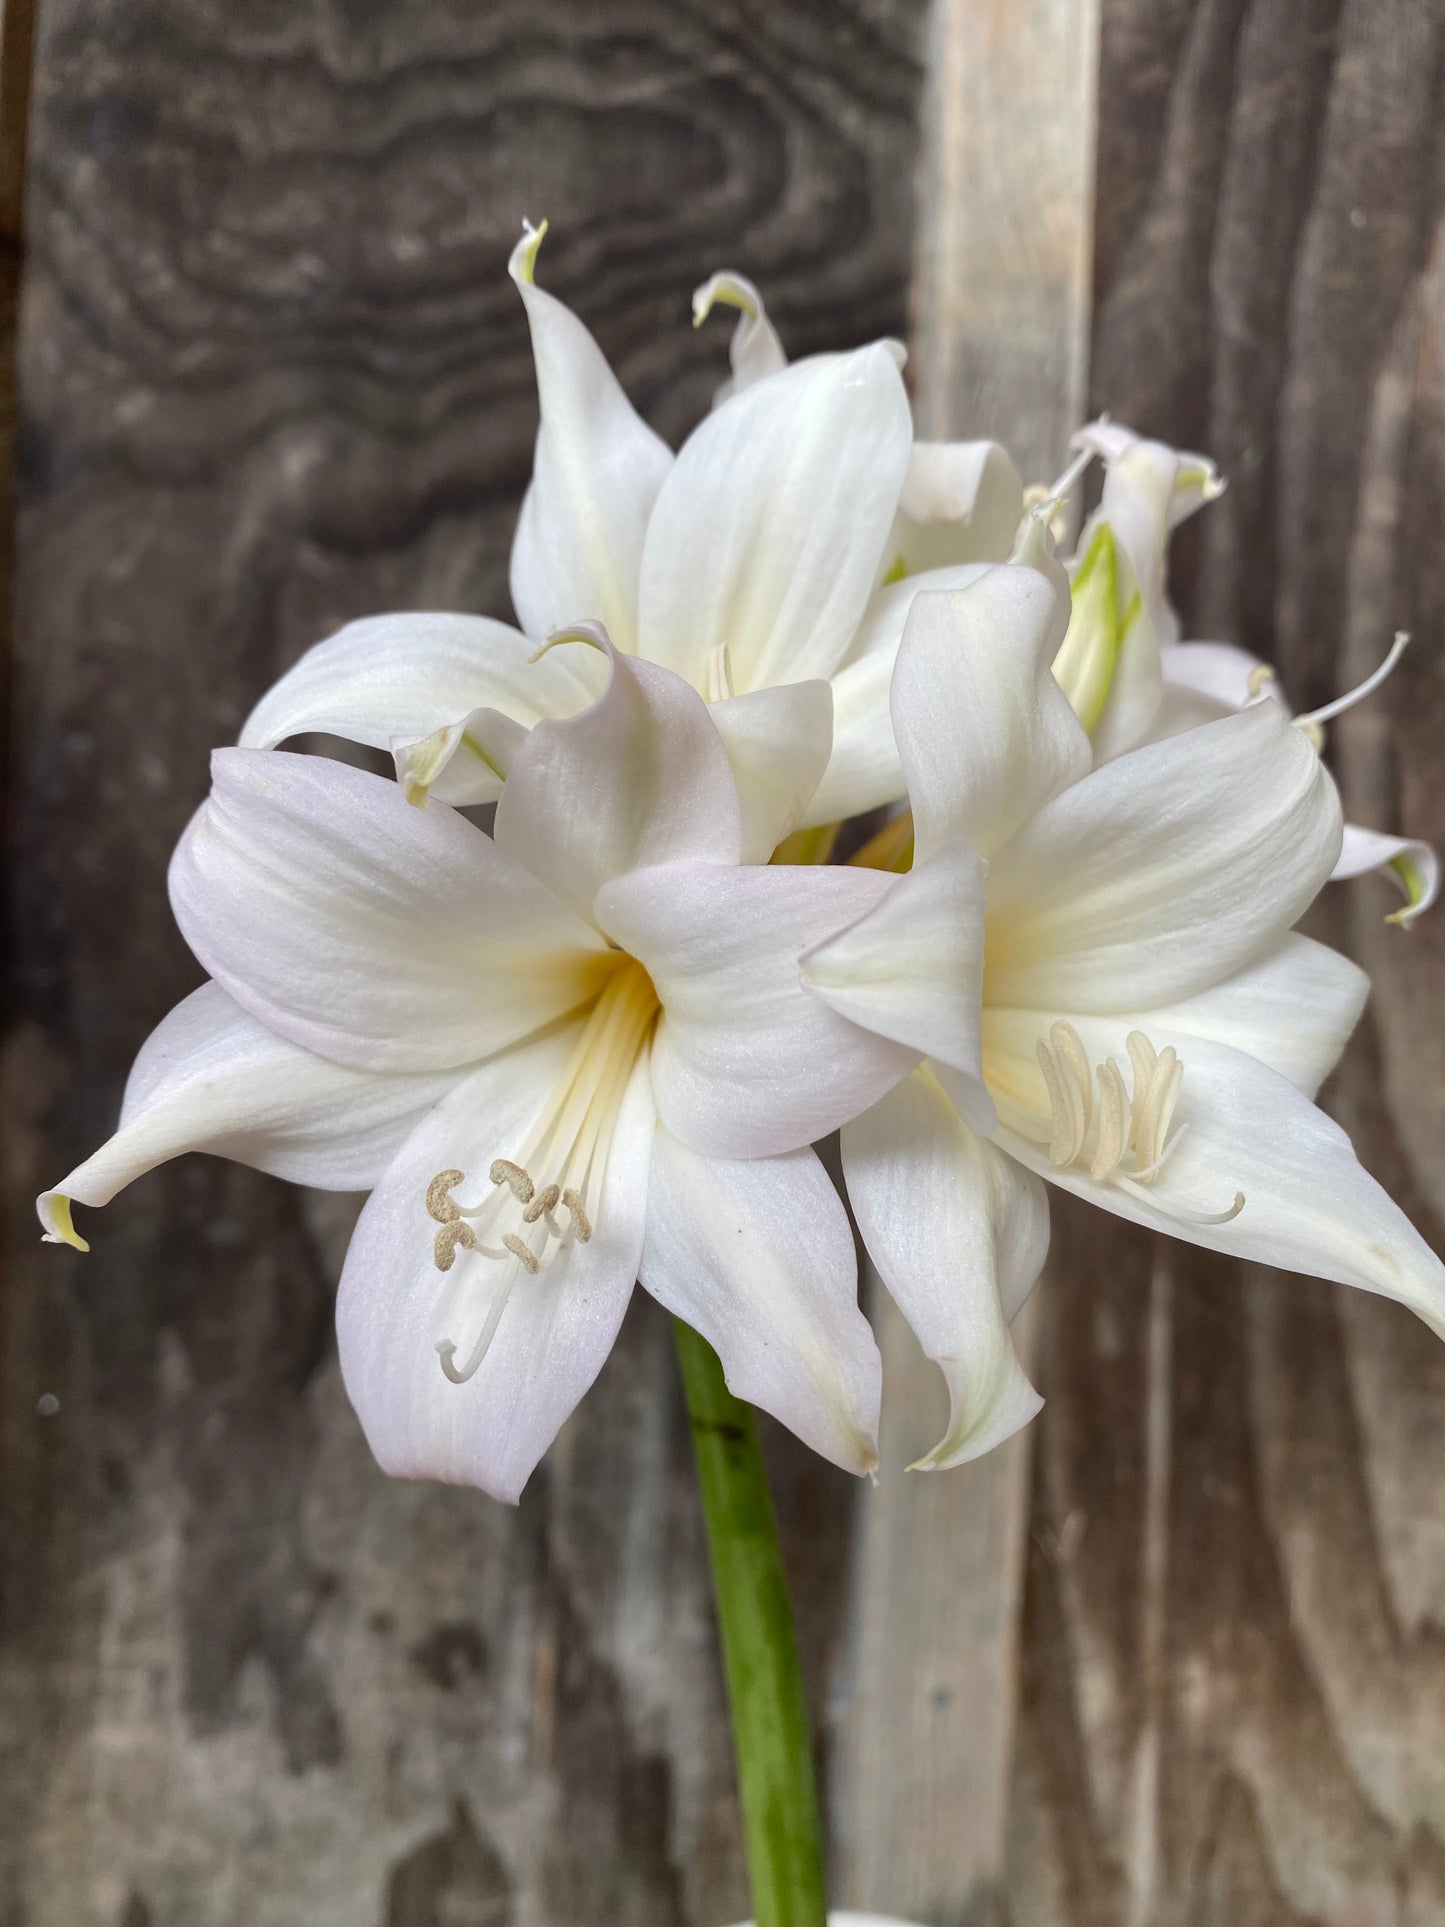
1234, 1704
273, 376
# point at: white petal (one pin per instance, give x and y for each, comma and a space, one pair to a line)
210, 1078
373, 933
912, 967
1163, 872
1108, 665
639, 778
959, 1234
461, 763
747, 1063
406, 676
595, 478
1138, 490
863, 771
1413, 867
1294, 1010
984, 732
1196, 480
1310, 1206
1206, 680
777, 741
755, 350
1222, 677
1111, 663
961, 502
758, 1256
767, 534
395, 1307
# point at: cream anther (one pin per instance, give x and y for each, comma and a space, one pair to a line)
444, 1247
1095, 1116
581, 1223
541, 1207
503, 1171
440, 1204
537, 1207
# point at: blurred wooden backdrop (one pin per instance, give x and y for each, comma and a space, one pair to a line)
1179, 1657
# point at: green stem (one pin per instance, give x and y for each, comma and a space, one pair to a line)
760, 1651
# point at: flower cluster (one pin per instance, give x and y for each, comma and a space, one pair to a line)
596, 1042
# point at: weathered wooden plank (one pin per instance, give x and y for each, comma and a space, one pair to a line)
273, 377
1234, 1706
16, 36
926, 1721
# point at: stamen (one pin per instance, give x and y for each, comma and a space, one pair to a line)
541, 1206
1151, 1171
439, 1202
537, 1205
1066, 1042
1158, 1107
1258, 680
1109, 1147
1063, 488
1063, 1146
444, 1246
581, 1223
1136, 1124
503, 1171
1143, 1057
1357, 695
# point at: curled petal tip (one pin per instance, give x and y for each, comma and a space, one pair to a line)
1416, 871
594, 634
732, 290
523, 263
59, 1228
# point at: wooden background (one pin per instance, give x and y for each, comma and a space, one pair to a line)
1180, 1657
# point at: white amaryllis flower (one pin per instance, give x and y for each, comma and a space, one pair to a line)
1152, 1031
1130, 678
752, 564
565, 1056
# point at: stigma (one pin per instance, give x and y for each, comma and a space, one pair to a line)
1122, 1134
543, 1201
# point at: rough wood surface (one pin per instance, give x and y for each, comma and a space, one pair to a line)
273, 376
1234, 1701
